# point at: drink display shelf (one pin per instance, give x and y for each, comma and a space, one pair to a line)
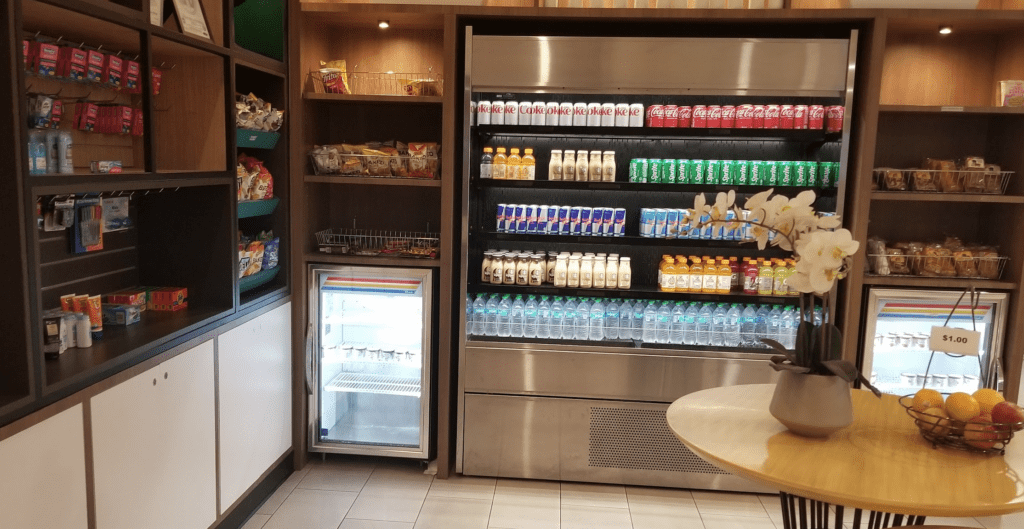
651, 188
801, 135
635, 292
626, 240
375, 383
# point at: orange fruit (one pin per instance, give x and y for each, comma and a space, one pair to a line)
927, 398
934, 420
962, 407
987, 399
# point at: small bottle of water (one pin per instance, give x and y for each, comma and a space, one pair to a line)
639, 314
678, 317
557, 318
611, 320
543, 318
597, 315
504, 315
732, 326
718, 326
582, 327
704, 325
569, 319
690, 324
517, 317
491, 325
650, 324
530, 327
626, 320
664, 323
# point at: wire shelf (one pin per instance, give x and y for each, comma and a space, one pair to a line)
372, 383
981, 181
380, 83
418, 245
985, 267
970, 436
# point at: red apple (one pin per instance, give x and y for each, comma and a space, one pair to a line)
1008, 413
980, 433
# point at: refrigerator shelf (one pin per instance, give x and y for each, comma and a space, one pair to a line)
684, 133
373, 383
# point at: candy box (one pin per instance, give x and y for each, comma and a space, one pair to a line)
48, 59
121, 314
134, 296
94, 71
168, 299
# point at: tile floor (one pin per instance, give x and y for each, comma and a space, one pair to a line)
342, 493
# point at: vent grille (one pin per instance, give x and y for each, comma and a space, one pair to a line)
638, 439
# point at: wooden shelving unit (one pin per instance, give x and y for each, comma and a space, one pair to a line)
929, 109
900, 196
938, 282
378, 99
371, 181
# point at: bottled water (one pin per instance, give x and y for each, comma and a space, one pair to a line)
470, 317
664, 323
582, 327
817, 317
611, 320
747, 326
479, 315
650, 323
718, 326
732, 326
517, 318
704, 325
761, 325
530, 329
557, 317
678, 315
775, 324
491, 325
597, 315
690, 324
504, 315
543, 318
626, 320
639, 311
787, 328
569, 319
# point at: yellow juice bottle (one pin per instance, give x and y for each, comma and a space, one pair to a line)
682, 274
667, 274
710, 285
724, 277
791, 269
514, 170
529, 171
500, 165
779, 282
765, 277
696, 275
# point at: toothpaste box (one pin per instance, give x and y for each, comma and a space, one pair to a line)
121, 314
168, 299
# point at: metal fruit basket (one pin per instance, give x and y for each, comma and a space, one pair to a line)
986, 267
948, 432
418, 245
426, 83
967, 180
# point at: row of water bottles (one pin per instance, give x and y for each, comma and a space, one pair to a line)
649, 321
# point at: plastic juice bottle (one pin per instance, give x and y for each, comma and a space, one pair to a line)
514, 165
750, 271
667, 274
779, 287
696, 275
529, 170
765, 278
791, 269
555, 165
569, 165
682, 274
498, 169
661, 266
724, 277
736, 275
486, 163
710, 285
625, 273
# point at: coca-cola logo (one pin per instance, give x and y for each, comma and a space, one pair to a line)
622, 111
498, 109
564, 111
728, 112
484, 107
580, 111
770, 112
607, 111
817, 112
744, 113
759, 111
700, 112
526, 110
551, 110
672, 112
511, 109
685, 112
593, 111
836, 112
788, 112
656, 110
800, 111
715, 112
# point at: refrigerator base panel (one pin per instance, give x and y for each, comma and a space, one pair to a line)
356, 430
597, 441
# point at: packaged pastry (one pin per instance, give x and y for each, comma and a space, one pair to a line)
993, 179
972, 162
973, 180
914, 252
894, 180
377, 162
898, 262
398, 165
255, 250
965, 264
877, 256
987, 263
924, 180
953, 243
949, 176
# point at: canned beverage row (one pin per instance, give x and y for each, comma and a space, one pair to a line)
561, 220
552, 114
814, 117
734, 172
663, 223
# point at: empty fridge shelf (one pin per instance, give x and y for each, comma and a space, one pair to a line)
373, 383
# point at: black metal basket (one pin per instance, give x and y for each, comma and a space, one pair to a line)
948, 432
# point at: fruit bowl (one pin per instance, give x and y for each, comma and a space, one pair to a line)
972, 436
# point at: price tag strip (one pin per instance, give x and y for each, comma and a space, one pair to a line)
956, 341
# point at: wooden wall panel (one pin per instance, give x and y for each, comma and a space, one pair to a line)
189, 116
417, 51
927, 69
1009, 62
313, 46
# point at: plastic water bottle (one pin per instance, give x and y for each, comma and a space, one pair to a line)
775, 324
718, 326
761, 325
479, 315
639, 311
582, 326
650, 323
557, 317
675, 334
597, 315
530, 328
569, 319
491, 325
543, 318
664, 327
704, 325
690, 324
470, 318
747, 326
626, 320
817, 317
504, 316
611, 320
732, 326
517, 318
787, 328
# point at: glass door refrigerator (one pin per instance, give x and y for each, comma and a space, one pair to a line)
896, 340
370, 350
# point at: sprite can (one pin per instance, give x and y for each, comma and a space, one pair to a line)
670, 171
653, 174
812, 174
828, 174
714, 174
743, 172
800, 174
683, 171
771, 174
757, 174
635, 169
786, 170
696, 172
730, 172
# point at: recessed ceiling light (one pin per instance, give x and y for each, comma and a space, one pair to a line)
945, 30
383, 24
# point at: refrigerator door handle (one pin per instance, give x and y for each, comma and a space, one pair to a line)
309, 359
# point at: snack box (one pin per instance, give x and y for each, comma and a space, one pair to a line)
121, 314
105, 166
135, 296
168, 299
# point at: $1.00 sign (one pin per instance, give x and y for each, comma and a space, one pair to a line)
957, 341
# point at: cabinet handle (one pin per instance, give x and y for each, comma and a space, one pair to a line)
154, 381
165, 375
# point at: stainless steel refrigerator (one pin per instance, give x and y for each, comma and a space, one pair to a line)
370, 354
896, 347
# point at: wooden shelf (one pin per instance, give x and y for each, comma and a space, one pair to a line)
628, 240
946, 197
370, 181
360, 260
636, 292
995, 111
652, 188
804, 135
97, 183
359, 98
954, 283
255, 61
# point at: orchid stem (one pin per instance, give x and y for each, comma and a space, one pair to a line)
752, 223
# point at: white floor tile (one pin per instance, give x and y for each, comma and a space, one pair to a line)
725, 521
525, 505
454, 513
589, 517
1010, 521
398, 477
729, 504
458, 486
388, 505
594, 495
771, 504
256, 522
957, 522
277, 498
312, 509
337, 474
550, 490
655, 501
349, 523
646, 520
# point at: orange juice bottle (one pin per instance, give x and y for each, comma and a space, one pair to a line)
529, 168
667, 274
514, 166
724, 277
791, 265
710, 285
765, 277
696, 274
682, 274
500, 165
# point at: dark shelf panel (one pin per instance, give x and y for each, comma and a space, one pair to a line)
614, 241
64, 184
637, 292
255, 61
809, 136
635, 344
360, 260
370, 181
954, 283
264, 294
946, 197
359, 98
995, 111
652, 188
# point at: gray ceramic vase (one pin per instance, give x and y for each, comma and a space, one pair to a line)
812, 405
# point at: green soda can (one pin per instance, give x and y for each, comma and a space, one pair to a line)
812, 174
729, 170
653, 174
714, 172
771, 174
835, 174
696, 172
800, 174
683, 171
670, 171
634, 170
787, 173
757, 173
743, 168
827, 175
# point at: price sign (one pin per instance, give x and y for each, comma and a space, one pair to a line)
956, 341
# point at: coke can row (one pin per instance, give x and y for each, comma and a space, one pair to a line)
561, 220
734, 172
814, 117
552, 114
660, 223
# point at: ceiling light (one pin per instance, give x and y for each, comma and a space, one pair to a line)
383, 24
945, 30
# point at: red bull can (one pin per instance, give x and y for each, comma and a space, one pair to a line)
619, 222
564, 226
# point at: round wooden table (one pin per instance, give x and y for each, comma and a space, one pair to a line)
880, 463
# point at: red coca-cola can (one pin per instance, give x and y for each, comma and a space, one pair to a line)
745, 117
759, 113
787, 114
685, 116
728, 117
800, 117
671, 116
700, 117
816, 117
714, 117
656, 116
772, 116
835, 118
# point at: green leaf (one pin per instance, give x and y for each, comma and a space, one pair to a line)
843, 369
789, 367
780, 348
835, 351
803, 344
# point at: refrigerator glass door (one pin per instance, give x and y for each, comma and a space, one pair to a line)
897, 354
373, 349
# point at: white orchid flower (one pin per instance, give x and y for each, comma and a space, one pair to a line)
700, 208
723, 202
758, 200
829, 222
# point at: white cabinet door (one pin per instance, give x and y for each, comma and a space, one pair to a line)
154, 447
254, 380
42, 475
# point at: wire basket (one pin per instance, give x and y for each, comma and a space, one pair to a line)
971, 436
401, 166
418, 245
983, 267
936, 180
382, 83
